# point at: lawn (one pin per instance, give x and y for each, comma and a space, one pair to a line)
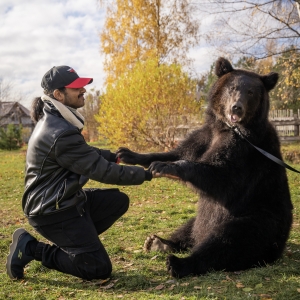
136, 274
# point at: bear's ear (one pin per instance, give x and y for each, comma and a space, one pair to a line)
223, 66
270, 80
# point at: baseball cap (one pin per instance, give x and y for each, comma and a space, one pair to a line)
63, 76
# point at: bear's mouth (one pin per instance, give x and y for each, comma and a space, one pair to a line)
234, 118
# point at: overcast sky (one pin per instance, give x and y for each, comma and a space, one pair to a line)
38, 34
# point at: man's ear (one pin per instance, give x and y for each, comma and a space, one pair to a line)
58, 95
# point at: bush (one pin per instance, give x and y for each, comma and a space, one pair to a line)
11, 137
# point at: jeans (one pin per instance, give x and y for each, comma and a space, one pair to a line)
76, 248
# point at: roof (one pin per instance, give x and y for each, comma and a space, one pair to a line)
7, 108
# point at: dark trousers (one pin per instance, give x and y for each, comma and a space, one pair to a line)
76, 248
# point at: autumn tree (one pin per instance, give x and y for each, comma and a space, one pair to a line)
266, 32
144, 106
136, 30
89, 110
287, 92
247, 27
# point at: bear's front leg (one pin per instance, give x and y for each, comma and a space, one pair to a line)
172, 170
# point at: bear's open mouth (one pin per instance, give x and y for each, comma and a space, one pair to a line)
234, 118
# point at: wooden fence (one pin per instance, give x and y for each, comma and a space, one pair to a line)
287, 124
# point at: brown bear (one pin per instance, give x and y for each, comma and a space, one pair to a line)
244, 210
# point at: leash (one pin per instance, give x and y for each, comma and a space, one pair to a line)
265, 153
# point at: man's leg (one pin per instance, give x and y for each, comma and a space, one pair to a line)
105, 206
79, 251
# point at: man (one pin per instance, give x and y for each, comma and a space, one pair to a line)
58, 164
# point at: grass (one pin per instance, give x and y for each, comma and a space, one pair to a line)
158, 207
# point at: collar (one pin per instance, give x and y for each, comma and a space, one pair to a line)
235, 129
68, 113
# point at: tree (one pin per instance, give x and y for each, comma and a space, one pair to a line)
286, 95
248, 27
8, 92
136, 30
11, 137
142, 108
89, 110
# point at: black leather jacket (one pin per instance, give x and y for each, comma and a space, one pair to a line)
59, 163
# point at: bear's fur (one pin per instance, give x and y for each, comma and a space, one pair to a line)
244, 210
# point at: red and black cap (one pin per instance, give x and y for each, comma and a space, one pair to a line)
63, 76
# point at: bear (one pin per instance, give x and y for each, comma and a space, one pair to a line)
244, 212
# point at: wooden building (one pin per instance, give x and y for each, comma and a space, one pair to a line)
17, 114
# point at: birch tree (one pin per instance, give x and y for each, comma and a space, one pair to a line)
136, 30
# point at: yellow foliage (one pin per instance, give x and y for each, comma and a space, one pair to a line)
136, 30
289, 83
142, 108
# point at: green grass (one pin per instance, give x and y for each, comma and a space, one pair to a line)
158, 207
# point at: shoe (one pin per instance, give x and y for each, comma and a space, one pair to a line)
17, 258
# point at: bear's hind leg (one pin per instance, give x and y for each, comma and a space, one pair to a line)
180, 267
180, 240
238, 245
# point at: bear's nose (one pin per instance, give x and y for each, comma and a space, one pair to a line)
236, 108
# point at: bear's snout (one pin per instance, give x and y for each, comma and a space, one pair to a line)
236, 112
236, 108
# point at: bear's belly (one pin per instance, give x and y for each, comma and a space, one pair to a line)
211, 216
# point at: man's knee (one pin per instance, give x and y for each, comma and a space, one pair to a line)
93, 265
124, 203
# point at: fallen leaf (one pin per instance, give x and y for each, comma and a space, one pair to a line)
258, 286
239, 285
106, 287
298, 290
171, 287
247, 290
171, 281
104, 280
160, 287
154, 257
197, 287
128, 265
265, 296
184, 284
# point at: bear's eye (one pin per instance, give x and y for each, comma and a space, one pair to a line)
250, 93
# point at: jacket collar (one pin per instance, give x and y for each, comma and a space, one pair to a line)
68, 113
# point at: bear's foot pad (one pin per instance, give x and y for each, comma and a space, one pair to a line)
154, 243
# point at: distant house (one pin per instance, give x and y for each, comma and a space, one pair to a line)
16, 113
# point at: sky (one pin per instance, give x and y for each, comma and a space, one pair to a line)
36, 35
